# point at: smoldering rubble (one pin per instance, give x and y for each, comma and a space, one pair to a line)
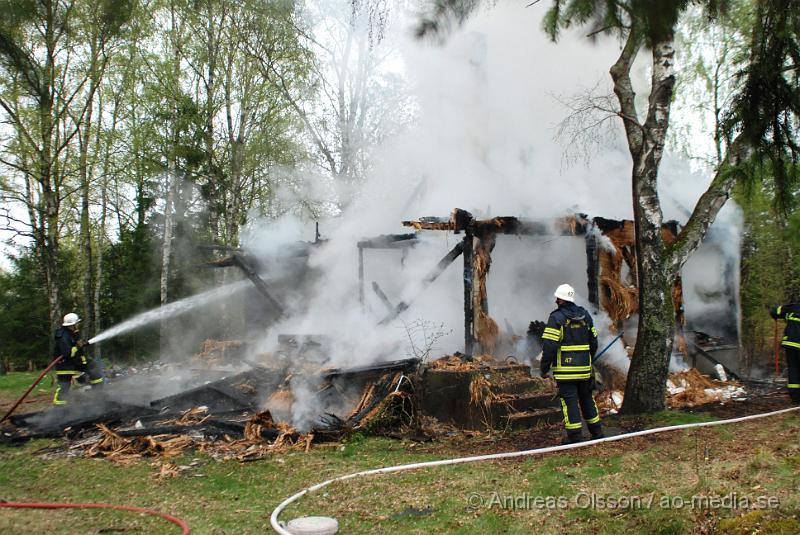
223, 409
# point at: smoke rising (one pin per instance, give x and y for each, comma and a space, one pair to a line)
484, 142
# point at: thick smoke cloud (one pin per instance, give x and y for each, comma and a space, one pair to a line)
488, 111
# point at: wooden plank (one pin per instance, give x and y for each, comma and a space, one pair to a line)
444, 262
259, 283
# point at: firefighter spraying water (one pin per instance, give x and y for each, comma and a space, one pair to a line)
75, 364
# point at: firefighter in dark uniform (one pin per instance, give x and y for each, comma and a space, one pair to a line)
569, 343
75, 364
791, 345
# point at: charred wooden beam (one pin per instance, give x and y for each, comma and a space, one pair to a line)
444, 262
382, 296
404, 365
462, 220
429, 278
592, 269
430, 223
259, 283
401, 307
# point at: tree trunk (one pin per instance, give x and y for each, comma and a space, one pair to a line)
48, 177
101, 232
646, 386
85, 224
172, 172
86, 174
166, 247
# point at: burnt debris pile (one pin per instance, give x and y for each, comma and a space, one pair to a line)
228, 408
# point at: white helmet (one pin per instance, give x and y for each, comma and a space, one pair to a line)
70, 319
565, 292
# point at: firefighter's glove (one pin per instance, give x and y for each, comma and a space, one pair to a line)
536, 329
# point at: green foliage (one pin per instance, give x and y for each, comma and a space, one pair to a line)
764, 111
130, 286
769, 276
445, 16
24, 317
653, 21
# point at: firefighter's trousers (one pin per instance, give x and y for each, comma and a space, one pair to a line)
577, 399
92, 372
793, 362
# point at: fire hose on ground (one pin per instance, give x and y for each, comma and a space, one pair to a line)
169, 518
279, 527
28, 391
39, 505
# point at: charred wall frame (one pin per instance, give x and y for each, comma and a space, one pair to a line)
603, 277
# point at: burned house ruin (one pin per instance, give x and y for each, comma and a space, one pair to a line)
488, 385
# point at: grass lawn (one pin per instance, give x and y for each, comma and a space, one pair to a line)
14, 384
641, 485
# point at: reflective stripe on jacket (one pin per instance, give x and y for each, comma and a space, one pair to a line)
790, 313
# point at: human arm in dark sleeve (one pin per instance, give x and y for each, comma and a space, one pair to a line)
551, 338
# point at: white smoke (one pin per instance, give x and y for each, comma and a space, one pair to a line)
484, 142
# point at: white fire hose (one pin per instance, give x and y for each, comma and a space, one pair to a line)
278, 526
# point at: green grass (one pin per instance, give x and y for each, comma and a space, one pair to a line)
760, 458
667, 418
13, 384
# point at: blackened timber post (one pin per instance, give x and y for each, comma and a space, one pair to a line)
592, 269
469, 312
258, 282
